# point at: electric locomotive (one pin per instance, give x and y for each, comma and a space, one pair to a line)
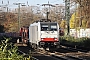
44, 34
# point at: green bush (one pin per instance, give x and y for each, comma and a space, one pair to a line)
9, 52
75, 41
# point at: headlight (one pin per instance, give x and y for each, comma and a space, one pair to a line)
42, 39
55, 38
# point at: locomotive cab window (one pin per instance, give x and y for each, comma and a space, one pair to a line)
44, 27
53, 27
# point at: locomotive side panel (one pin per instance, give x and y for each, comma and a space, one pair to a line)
30, 34
33, 34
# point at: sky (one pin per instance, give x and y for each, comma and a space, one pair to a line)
30, 2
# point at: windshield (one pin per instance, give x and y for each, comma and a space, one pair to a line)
53, 28
49, 27
44, 27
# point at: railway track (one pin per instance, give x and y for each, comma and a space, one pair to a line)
64, 56
75, 47
56, 55
40, 54
60, 56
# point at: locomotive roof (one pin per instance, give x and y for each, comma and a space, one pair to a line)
42, 21
45, 20
48, 22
